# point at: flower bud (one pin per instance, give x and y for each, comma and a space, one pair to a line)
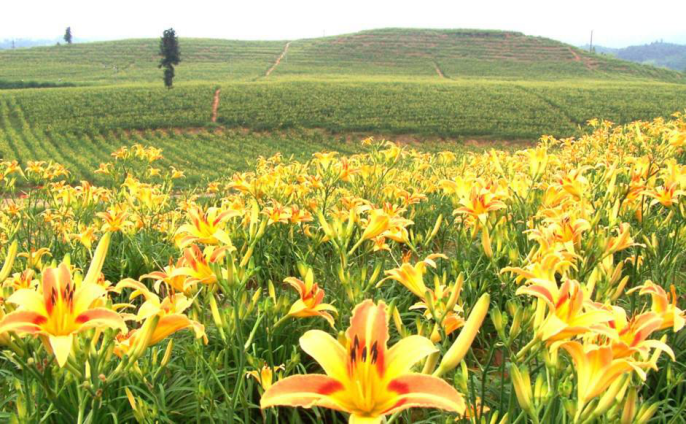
609, 398
486, 243
9, 261
629, 411
646, 413
464, 341
521, 382
98, 260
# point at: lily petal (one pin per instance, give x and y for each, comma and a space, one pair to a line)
22, 322
61, 347
101, 317
419, 390
303, 390
327, 352
407, 352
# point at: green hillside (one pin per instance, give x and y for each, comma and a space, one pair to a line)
455, 54
381, 53
136, 60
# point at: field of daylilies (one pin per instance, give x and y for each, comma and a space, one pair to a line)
544, 285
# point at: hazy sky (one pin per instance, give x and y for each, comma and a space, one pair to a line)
616, 23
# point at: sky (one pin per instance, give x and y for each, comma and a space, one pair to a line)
615, 23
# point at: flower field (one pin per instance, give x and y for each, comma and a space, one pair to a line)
382, 285
80, 126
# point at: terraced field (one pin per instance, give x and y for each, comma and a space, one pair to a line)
457, 85
135, 61
397, 53
455, 54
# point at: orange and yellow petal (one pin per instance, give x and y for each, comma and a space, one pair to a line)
101, 317
327, 351
424, 391
305, 391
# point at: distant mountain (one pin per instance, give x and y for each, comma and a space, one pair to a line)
664, 55
20, 43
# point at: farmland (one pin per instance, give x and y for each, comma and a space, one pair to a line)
525, 286
452, 85
84, 125
249, 247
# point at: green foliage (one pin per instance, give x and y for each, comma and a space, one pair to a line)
67, 35
383, 53
13, 85
171, 56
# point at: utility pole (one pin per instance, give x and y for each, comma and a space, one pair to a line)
590, 49
13, 44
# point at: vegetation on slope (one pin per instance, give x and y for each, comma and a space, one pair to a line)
389, 52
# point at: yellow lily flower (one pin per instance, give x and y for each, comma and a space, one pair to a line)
197, 264
364, 377
672, 316
59, 312
596, 369
161, 319
265, 375
377, 223
172, 277
480, 204
205, 227
114, 220
34, 258
310, 302
412, 276
666, 196
630, 336
566, 317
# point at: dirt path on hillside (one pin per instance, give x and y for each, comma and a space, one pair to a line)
215, 105
577, 58
438, 70
278, 60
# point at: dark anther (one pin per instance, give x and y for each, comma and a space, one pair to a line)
375, 353
364, 354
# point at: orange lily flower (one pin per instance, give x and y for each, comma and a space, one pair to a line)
277, 213
24, 280
672, 316
444, 304
197, 264
59, 312
34, 258
630, 336
172, 275
265, 375
666, 196
412, 276
364, 377
299, 215
310, 302
161, 319
205, 227
480, 204
596, 369
566, 303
